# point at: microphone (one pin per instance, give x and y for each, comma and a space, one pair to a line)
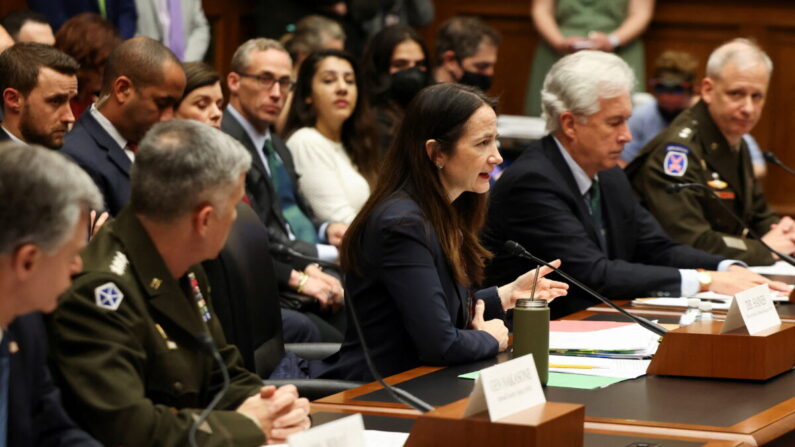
771, 158
398, 394
208, 345
516, 249
676, 187
290, 251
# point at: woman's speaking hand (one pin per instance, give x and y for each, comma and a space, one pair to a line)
522, 287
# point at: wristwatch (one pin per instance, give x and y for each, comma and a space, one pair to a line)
704, 280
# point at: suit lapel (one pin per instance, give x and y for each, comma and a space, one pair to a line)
163, 291
103, 139
257, 175
553, 154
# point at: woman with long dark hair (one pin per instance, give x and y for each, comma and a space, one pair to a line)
331, 137
412, 257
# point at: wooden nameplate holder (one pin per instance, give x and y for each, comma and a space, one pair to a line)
548, 424
700, 350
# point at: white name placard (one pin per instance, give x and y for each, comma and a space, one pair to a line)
754, 309
348, 432
506, 389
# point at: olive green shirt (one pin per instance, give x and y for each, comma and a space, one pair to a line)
124, 346
693, 150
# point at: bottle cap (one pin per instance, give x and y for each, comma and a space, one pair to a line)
693, 302
526, 303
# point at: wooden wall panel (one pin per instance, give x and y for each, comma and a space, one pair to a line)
692, 25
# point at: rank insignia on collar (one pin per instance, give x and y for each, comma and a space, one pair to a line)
155, 284
716, 182
119, 263
685, 132
108, 296
675, 161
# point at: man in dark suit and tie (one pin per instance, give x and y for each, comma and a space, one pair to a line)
258, 85
44, 227
36, 82
143, 82
565, 197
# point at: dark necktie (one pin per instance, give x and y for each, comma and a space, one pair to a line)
594, 197
301, 226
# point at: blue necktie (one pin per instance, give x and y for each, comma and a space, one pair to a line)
300, 225
5, 366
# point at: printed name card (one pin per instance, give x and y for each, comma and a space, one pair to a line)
348, 432
754, 309
506, 389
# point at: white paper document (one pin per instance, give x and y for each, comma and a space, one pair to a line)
376, 438
779, 268
631, 337
602, 367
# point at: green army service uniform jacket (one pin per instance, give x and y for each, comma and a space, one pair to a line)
693, 150
125, 350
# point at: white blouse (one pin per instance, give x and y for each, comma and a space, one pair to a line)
332, 186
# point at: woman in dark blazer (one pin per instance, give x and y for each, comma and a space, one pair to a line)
412, 256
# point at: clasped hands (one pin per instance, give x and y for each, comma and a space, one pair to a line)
521, 287
278, 412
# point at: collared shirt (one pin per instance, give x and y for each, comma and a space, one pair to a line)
111, 130
256, 137
689, 284
15, 139
324, 251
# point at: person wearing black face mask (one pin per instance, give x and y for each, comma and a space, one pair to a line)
395, 69
466, 52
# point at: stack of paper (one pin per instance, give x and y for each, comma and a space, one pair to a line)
779, 268
602, 367
602, 339
719, 302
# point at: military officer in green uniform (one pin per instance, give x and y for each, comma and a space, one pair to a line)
127, 340
704, 145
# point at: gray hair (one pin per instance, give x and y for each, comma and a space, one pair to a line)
241, 57
743, 53
181, 164
42, 195
578, 81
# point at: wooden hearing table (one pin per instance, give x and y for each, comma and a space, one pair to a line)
748, 412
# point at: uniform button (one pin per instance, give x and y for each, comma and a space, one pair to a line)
178, 386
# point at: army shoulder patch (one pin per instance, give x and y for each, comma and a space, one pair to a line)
108, 296
675, 161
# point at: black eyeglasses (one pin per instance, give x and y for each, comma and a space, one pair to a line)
266, 81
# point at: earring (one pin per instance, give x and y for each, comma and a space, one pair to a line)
439, 166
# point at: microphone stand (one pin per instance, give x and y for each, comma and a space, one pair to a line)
674, 188
209, 345
517, 250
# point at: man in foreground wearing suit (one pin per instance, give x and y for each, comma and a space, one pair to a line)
143, 83
36, 82
565, 197
44, 203
258, 85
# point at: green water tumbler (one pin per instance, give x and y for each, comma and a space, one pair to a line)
531, 333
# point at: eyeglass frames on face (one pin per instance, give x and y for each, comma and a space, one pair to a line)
266, 81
